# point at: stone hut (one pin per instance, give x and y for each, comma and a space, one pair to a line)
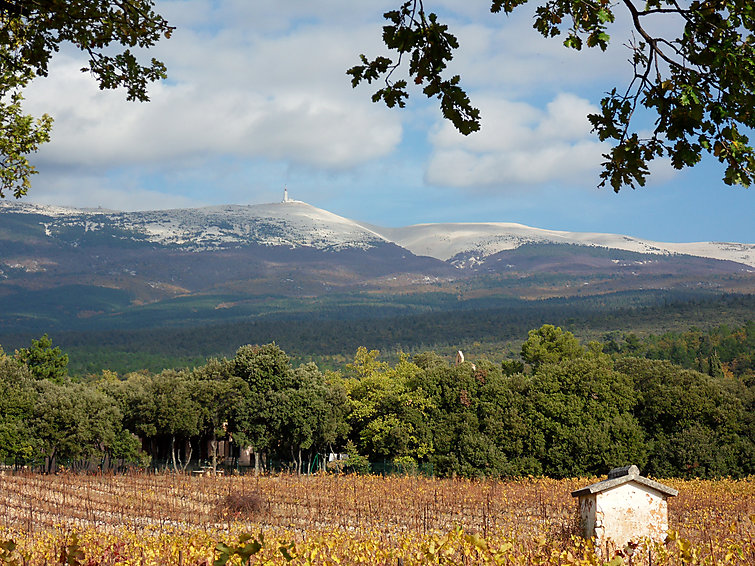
624, 508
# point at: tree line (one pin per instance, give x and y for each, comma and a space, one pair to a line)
490, 328
722, 350
561, 409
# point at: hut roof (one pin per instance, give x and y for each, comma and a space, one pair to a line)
620, 476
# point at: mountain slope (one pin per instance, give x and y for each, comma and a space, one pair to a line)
222, 257
479, 240
59, 264
292, 224
298, 224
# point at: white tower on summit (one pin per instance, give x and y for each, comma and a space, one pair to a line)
285, 194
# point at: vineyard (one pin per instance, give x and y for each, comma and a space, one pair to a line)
174, 519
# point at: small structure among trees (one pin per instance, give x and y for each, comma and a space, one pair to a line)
623, 509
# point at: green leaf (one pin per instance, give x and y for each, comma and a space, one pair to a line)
605, 16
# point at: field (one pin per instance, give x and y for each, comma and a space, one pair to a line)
142, 519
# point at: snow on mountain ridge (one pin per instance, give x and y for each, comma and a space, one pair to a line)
446, 241
295, 223
292, 224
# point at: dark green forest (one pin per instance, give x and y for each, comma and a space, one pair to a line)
675, 404
329, 333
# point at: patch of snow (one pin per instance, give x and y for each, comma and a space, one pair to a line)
445, 241
296, 224
292, 224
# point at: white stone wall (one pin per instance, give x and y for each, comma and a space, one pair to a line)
628, 512
587, 508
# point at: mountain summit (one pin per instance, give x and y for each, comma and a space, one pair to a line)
289, 223
70, 268
295, 224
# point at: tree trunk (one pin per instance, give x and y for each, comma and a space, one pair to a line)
214, 445
51, 461
188, 450
173, 452
256, 463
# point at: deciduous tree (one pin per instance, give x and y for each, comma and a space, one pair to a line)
267, 371
390, 410
550, 344
217, 393
74, 423
44, 361
581, 421
17, 400
177, 411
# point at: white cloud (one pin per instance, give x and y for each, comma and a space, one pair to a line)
232, 90
504, 52
86, 190
267, 81
270, 16
519, 145
257, 96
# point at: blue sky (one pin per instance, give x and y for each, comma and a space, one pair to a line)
258, 98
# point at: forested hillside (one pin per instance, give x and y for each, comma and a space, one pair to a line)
725, 350
329, 335
559, 408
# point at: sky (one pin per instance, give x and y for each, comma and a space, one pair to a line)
258, 98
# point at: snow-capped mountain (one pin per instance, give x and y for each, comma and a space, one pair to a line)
297, 224
479, 240
291, 223
75, 268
